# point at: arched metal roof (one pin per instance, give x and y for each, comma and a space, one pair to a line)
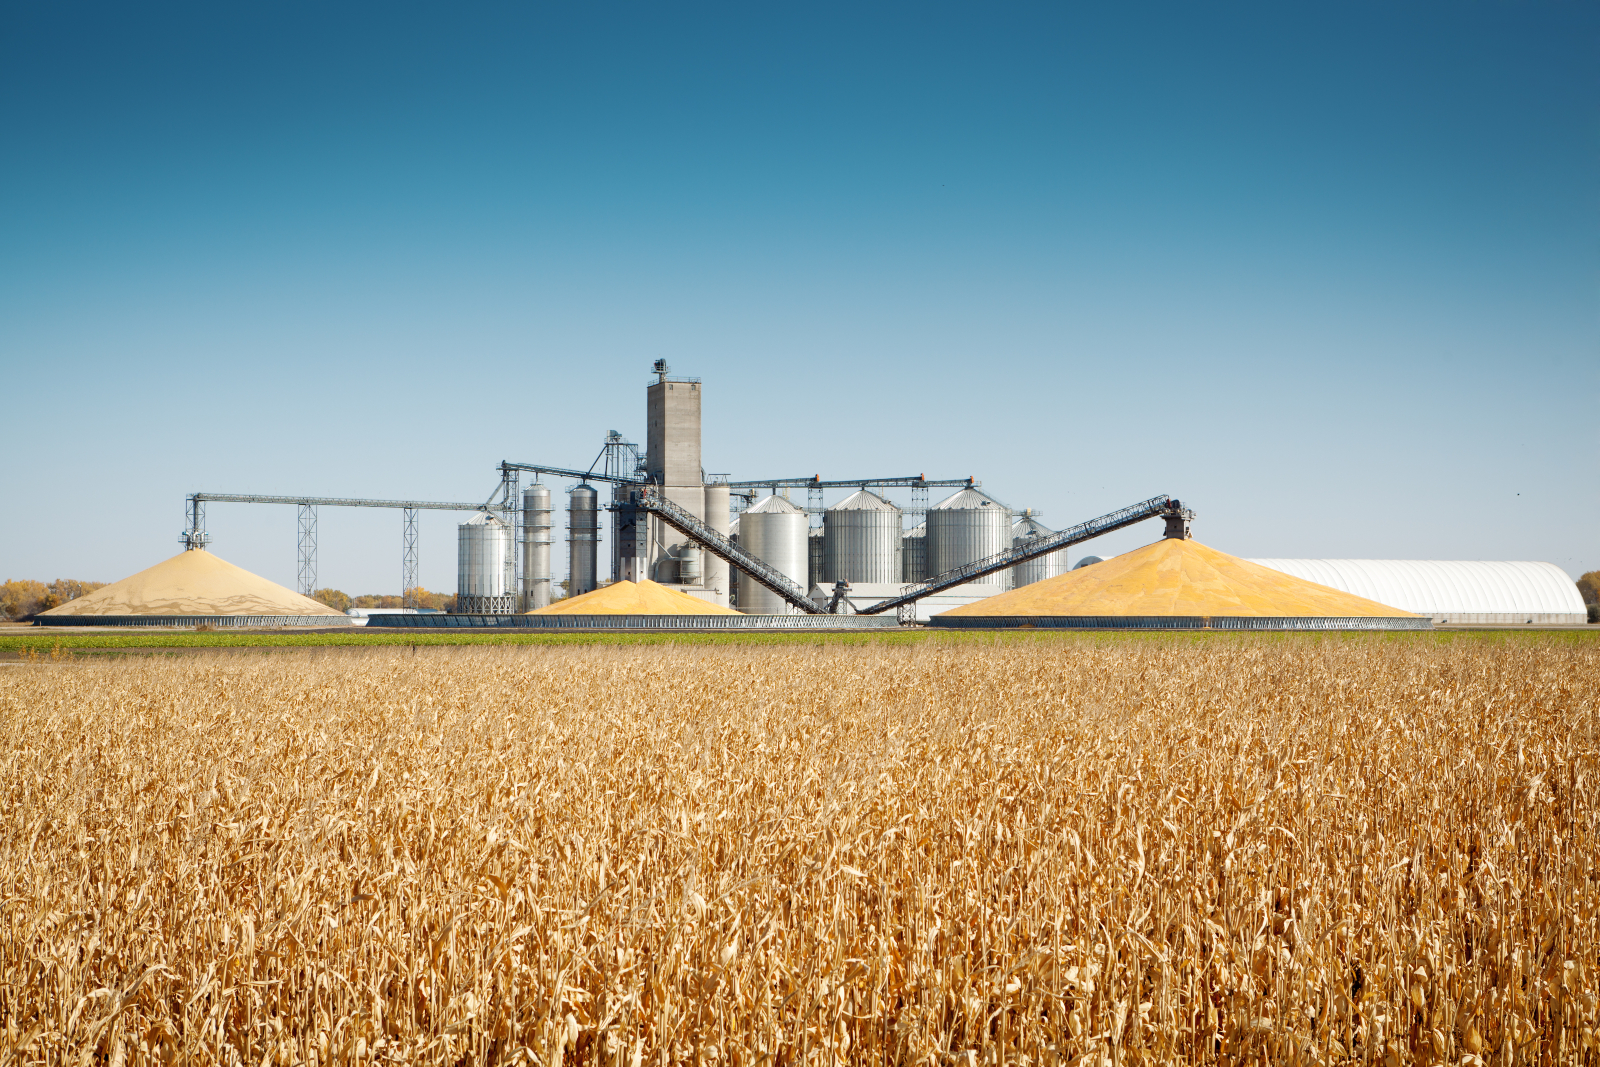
1445, 586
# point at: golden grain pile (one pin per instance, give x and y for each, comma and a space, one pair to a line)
1040, 850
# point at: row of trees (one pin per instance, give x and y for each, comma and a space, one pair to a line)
342, 601
23, 599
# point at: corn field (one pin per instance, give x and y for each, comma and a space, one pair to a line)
1317, 850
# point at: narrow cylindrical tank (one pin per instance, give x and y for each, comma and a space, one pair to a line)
862, 541
914, 554
483, 545
689, 560
774, 531
1039, 568
714, 569
816, 540
583, 532
537, 523
964, 528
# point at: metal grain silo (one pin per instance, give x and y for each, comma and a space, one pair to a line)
914, 554
814, 557
862, 540
483, 545
583, 534
964, 528
1039, 568
537, 527
774, 531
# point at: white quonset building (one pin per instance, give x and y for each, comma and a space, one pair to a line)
1451, 591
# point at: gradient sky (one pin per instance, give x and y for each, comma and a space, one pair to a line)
1328, 273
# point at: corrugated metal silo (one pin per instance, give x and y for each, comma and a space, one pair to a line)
583, 533
774, 531
483, 545
965, 527
1039, 568
537, 523
914, 554
862, 542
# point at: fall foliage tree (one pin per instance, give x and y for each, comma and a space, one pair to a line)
24, 598
334, 598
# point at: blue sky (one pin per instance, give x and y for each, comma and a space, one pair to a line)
1327, 273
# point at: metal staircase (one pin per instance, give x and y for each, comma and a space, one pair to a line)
646, 499
1156, 506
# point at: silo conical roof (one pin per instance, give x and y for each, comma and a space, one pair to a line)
862, 500
485, 518
965, 499
634, 598
919, 530
1178, 577
194, 583
1028, 527
774, 505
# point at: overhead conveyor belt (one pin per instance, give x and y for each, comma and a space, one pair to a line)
1156, 506
647, 500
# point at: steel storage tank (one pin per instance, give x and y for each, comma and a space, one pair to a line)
537, 526
861, 542
689, 559
775, 532
1039, 568
815, 540
714, 569
583, 531
484, 543
964, 528
914, 554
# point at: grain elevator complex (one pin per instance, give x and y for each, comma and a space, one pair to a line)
647, 539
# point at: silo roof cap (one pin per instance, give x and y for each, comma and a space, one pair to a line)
965, 499
1028, 526
862, 500
774, 505
484, 518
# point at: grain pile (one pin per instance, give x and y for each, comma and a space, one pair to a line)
1030, 851
1182, 578
633, 598
194, 583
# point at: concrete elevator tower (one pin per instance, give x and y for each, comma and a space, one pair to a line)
672, 452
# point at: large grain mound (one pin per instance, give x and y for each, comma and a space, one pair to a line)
634, 598
1182, 578
194, 583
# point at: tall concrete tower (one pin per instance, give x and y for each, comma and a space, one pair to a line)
672, 444
672, 452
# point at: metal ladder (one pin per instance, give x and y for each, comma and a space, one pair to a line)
1156, 506
647, 500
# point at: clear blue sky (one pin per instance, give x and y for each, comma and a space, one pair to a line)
1328, 272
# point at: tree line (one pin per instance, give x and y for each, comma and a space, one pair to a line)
339, 600
23, 599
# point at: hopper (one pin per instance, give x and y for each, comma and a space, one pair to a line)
633, 598
1178, 583
192, 586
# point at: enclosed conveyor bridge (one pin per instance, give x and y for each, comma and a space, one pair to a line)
1173, 511
645, 499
